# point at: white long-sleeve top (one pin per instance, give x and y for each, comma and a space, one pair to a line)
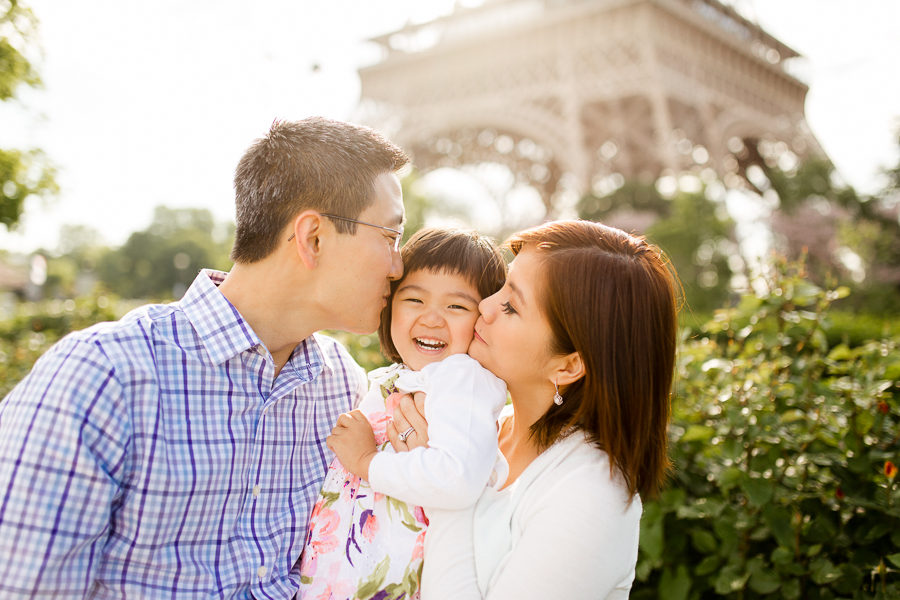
463, 401
564, 529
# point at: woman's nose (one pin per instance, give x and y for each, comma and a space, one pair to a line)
487, 308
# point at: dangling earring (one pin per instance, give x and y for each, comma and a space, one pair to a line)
557, 399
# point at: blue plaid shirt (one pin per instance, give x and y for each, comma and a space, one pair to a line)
158, 456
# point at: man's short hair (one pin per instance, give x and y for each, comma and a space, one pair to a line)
318, 164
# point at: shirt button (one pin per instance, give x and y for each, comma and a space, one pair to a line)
261, 572
256, 490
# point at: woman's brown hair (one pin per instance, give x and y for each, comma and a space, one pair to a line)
449, 250
610, 296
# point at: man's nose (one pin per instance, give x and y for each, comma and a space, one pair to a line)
396, 267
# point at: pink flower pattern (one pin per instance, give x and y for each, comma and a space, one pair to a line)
353, 529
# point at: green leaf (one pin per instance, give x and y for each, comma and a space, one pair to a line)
841, 292
789, 416
698, 433
375, 581
791, 590
822, 571
675, 587
759, 491
707, 565
672, 499
730, 579
732, 448
703, 541
729, 478
782, 556
877, 530
764, 581
894, 558
651, 540
330, 498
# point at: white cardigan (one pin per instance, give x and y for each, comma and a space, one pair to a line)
564, 529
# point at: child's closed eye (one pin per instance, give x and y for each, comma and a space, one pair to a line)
508, 309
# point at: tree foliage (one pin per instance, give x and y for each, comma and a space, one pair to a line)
784, 451
22, 172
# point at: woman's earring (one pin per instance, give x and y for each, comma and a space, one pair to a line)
557, 399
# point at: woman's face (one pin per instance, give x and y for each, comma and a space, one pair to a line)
512, 336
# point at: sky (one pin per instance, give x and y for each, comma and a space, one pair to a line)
148, 104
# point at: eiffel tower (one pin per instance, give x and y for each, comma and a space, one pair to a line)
581, 95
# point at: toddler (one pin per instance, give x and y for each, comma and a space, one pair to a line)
365, 538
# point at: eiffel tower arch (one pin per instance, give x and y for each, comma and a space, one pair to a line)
571, 93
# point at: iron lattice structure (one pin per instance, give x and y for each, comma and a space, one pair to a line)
570, 94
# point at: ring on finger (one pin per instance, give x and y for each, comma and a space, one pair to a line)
402, 437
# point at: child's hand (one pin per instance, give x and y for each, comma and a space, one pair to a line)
353, 440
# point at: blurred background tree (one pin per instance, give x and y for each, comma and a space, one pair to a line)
22, 172
692, 226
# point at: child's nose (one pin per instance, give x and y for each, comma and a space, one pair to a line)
431, 318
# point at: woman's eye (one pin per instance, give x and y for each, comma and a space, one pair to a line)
507, 308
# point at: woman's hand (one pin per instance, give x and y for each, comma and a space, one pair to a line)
409, 413
353, 440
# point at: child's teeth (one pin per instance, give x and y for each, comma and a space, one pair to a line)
429, 343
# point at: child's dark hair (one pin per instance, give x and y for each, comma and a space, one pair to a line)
446, 250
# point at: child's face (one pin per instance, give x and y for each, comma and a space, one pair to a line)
432, 317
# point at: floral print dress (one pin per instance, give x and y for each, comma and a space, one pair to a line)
361, 544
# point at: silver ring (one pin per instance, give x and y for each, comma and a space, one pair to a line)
402, 437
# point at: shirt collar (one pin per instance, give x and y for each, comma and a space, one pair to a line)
221, 328
310, 355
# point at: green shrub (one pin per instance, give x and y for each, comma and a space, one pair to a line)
38, 325
782, 449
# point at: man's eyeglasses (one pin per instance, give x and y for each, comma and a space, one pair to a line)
398, 237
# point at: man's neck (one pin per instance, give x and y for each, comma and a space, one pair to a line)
273, 307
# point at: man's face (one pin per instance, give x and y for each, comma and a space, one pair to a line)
366, 261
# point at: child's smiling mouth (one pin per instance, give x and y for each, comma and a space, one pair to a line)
430, 343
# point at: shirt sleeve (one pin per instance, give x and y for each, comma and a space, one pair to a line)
64, 433
462, 402
581, 526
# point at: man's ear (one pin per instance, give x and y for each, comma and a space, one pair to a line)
308, 228
570, 368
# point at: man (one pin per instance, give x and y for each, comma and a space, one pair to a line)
178, 452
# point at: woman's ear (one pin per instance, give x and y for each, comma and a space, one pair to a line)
569, 370
308, 227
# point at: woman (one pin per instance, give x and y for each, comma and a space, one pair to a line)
584, 334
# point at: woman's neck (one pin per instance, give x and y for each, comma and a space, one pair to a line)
516, 442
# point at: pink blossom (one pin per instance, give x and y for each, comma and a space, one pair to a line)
323, 524
335, 588
379, 422
370, 527
418, 548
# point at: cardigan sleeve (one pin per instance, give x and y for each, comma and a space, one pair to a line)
462, 403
